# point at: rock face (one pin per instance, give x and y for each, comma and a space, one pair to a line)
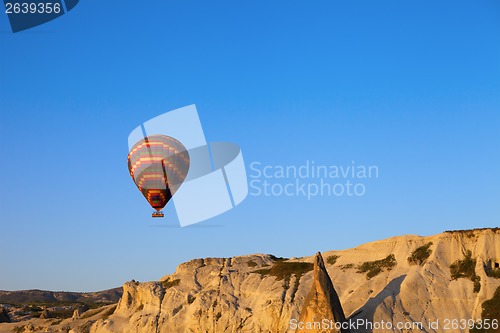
406, 280
322, 308
375, 282
210, 295
4, 316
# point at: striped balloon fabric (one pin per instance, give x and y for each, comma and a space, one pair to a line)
158, 165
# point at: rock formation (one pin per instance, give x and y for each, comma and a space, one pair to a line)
78, 312
322, 306
407, 279
403, 279
45, 313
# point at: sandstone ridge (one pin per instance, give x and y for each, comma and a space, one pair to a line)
401, 279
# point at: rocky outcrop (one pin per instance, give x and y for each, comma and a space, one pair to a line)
375, 282
322, 308
79, 311
45, 313
404, 280
211, 295
4, 316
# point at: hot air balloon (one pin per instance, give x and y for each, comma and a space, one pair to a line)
158, 164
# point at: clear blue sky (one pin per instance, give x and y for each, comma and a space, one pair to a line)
410, 86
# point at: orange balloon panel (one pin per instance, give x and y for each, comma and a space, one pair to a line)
158, 164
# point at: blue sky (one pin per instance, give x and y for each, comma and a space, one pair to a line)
412, 87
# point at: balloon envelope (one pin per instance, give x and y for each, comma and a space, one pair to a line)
158, 164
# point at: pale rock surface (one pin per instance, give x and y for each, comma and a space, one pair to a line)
45, 313
322, 306
226, 295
